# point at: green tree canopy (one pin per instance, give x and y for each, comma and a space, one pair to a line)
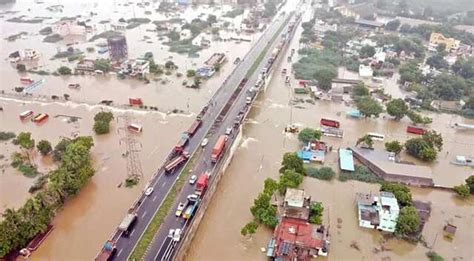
394, 146
44, 147
369, 107
366, 140
402, 193
367, 51
102, 65
463, 190
289, 179
360, 90
397, 108
64, 70
408, 221
308, 134
470, 183
291, 161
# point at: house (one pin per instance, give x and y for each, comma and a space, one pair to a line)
369, 24
450, 229
313, 151
85, 66
134, 68
68, 27
378, 211
365, 71
451, 43
447, 105
24, 55
185, 34
294, 238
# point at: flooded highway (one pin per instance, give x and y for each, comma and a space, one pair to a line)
259, 157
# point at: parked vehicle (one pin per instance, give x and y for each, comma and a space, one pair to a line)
40, 117
107, 251
228, 131
171, 233
74, 85
194, 127
179, 148
248, 100
329, 123
148, 191
180, 209
204, 142
376, 136
416, 130
175, 162
202, 183
177, 235
193, 197
218, 148
135, 101
127, 223
135, 128
190, 209
26, 115
193, 179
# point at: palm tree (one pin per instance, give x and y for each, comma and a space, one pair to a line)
367, 140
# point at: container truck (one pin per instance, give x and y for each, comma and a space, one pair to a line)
201, 184
127, 223
194, 127
179, 148
218, 148
176, 162
107, 251
329, 123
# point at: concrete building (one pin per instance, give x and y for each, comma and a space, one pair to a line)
365, 71
378, 211
346, 160
134, 68
380, 162
68, 27
118, 49
85, 66
451, 43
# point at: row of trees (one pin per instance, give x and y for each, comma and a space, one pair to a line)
399, 109
291, 176
20, 226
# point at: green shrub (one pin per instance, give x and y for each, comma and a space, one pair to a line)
324, 173
361, 173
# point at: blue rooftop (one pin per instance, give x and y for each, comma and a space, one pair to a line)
304, 154
346, 161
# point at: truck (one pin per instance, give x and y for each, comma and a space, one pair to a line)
176, 161
416, 130
107, 251
329, 123
194, 127
201, 184
127, 223
190, 209
218, 148
179, 148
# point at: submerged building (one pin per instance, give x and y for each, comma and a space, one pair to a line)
118, 49
378, 211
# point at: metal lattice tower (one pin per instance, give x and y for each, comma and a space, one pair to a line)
132, 146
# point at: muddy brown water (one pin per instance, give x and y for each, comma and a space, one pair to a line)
259, 157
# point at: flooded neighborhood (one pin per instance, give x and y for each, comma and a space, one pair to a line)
236, 130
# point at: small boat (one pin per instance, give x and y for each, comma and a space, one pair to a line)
26, 115
25, 80
40, 117
463, 161
135, 128
74, 85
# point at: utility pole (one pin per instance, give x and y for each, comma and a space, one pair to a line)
134, 166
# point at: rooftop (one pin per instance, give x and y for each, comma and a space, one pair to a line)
346, 161
294, 197
380, 159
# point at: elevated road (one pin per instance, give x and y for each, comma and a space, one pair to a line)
146, 207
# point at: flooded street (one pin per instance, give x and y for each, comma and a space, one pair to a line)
88, 219
259, 157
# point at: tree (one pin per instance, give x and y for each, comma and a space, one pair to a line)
101, 127
463, 190
60, 148
64, 70
270, 186
464, 68
308, 134
289, 179
315, 213
44, 147
26, 143
408, 221
441, 49
324, 173
249, 228
291, 161
393, 25
437, 61
402, 193
366, 140
324, 77
367, 51
397, 108
421, 148
197, 82
409, 72
104, 116
360, 90
369, 107
102, 65
418, 119
470, 183
433, 256
21, 67
435, 139
394, 146
211, 19
448, 87
170, 65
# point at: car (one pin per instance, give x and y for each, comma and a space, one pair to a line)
177, 235
148, 191
193, 179
248, 100
193, 197
204, 142
180, 209
228, 131
171, 233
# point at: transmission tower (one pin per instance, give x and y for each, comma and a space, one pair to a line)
132, 146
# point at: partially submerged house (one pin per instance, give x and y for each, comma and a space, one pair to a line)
378, 211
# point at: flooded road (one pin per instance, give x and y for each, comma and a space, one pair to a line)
259, 157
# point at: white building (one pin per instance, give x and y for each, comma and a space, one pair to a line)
378, 211
365, 71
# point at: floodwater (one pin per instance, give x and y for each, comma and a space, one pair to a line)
259, 157
88, 219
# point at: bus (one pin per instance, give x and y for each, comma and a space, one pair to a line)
376, 136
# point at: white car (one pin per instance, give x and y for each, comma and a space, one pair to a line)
193, 197
177, 234
193, 179
148, 191
171, 233
204, 142
180, 209
228, 131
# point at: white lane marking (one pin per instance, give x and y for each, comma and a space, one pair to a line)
144, 213
154, 198
133, 231
119, 252
164, 183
